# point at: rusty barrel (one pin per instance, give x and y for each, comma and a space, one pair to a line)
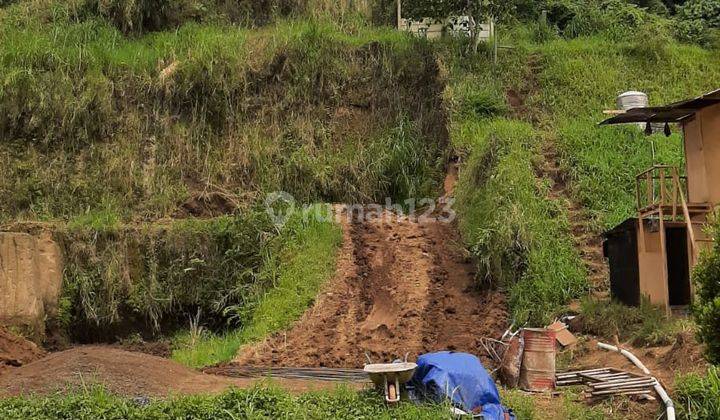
538, 366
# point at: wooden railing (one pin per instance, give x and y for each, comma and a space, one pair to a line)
661, 186
662, 194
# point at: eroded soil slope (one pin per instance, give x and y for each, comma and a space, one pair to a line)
16, 350
402, 286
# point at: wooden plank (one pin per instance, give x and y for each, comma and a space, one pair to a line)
691, 230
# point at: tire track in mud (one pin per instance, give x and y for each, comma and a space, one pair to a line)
401, 286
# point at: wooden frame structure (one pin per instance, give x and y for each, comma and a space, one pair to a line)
672, 207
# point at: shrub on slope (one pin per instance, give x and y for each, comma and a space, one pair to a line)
707, 306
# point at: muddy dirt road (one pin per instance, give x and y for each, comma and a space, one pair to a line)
401, 287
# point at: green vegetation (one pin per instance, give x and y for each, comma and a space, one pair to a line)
225, 272
134, 275
297, 273
517, 233
256, 403
568, 407
96, 121
561, 74
580, 78
520, 236
120, 113
699, 22
707, 304
646, 325
699, 396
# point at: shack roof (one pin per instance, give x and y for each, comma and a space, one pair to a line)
673, 113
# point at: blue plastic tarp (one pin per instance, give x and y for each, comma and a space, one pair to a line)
462, 378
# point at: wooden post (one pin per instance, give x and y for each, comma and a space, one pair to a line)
649, 188
662, 187
399, 14
495, 40
676, 187
663, 253
690, 228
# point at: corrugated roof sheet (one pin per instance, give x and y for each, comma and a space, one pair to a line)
675, 112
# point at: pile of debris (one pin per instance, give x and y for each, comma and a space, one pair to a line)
527, 360
608, 382
527, 356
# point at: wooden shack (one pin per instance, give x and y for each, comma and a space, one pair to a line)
652, 255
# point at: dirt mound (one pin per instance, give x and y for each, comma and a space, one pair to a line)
17, 351
401, 287
685, 356
123, 373
206, 205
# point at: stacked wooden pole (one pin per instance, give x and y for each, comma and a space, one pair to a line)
607, 382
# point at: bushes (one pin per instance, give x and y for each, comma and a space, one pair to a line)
615, 19
120, 276
698, 21
138, 16
707, 306
646, 325
699, 397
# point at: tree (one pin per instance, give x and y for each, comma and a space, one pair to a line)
707, 305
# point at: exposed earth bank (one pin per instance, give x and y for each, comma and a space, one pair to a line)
403, 286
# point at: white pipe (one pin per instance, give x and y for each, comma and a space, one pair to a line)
627, 354
670, 408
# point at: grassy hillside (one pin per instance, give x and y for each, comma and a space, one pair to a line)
561, 85
580, 78
208, 118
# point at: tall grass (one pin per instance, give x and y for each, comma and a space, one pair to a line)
518, 234
298, 270
646, 325
146, 277
699, 395
97, 121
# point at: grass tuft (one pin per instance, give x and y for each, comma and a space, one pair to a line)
646, 325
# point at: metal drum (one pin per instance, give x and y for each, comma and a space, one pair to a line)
538, 367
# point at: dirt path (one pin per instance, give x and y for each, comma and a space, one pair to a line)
587, 241
401, 287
